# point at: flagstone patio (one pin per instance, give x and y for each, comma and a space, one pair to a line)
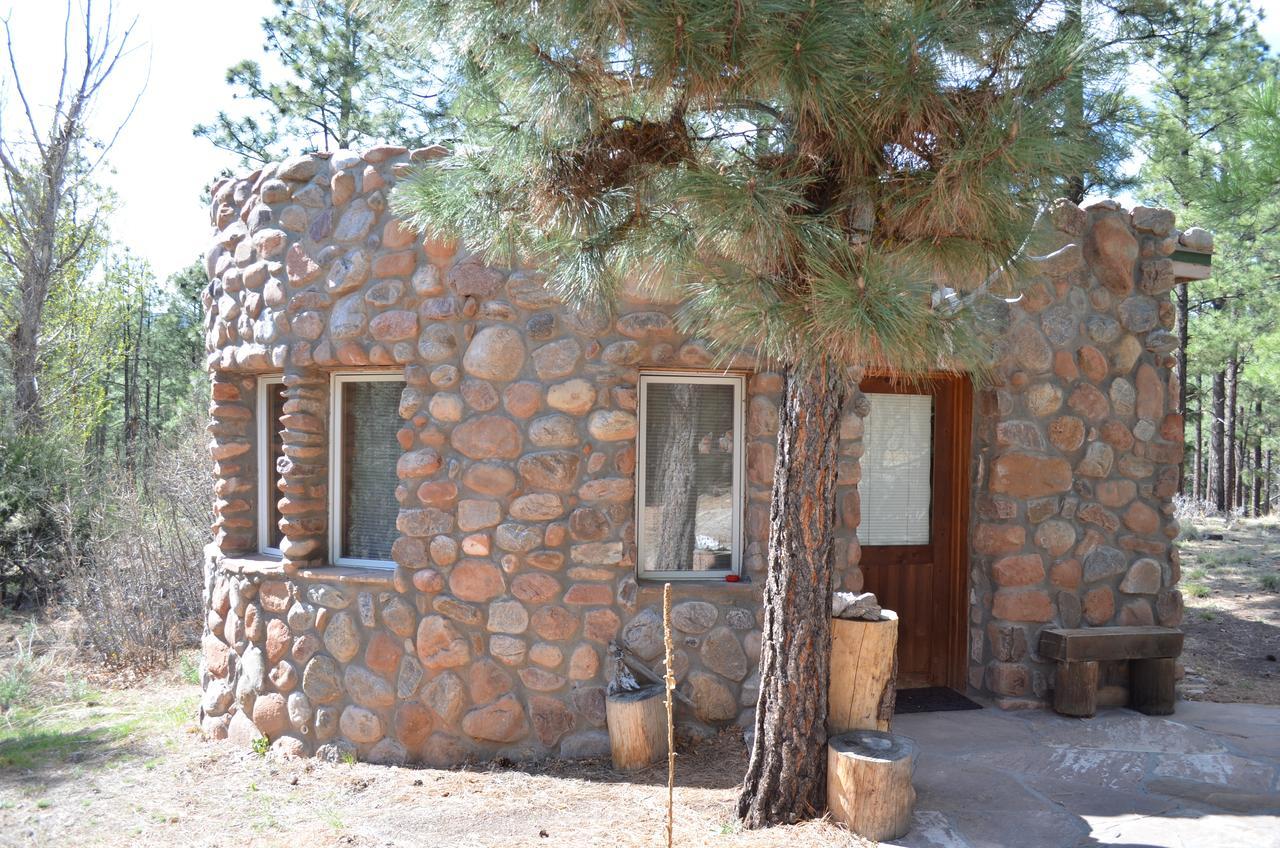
1207, 776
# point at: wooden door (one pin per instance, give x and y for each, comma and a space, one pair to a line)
914, 539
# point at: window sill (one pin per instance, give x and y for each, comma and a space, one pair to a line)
350, 575
651, 581
263, 564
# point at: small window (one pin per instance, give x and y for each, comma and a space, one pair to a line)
897, 470
689, 476
362, 468
270, 450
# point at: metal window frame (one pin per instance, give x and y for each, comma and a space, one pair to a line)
266, 475
337, 381
719, 378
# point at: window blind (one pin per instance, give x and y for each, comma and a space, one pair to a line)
370, 420
688, 521
897, 469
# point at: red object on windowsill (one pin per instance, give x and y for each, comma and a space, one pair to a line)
731, 578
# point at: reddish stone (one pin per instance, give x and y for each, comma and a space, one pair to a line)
215, 656
440, 645
270, 715
438, 493
1095, 514
535, 588
476, 580
486, 437
1056, 537
1066, 574
412, 723
399, 264
1141, 518
540, 680
1066, 433
489, 478
274, 596
584, 663
1089, 402
1136, 613
502, 721
601, 625
1099, 605
1018, 570
382, 656
395, 326
1116, 434
1171, 428
428, 580
1008, 679
1025, 475
1092, 363
1150, 393
278, 640
1064, 366
1022, 605
1115, 493
554, 623
522, 399
551, 719
487, 682
998, 538
305, 647
589, 594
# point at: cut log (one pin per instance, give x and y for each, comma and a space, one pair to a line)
1151, 685
864, 669
637, 727
869, 783
1076, 689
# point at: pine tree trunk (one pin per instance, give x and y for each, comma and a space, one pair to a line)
1233, 379
1257, 461
1198, 493
786, 778
1217, 459
1267, 508
1180, 321
676, 473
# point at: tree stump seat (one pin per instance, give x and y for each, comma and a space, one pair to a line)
869, 782
1150, 651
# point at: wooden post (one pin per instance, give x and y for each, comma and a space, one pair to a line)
869, 783
636, 735
1151, 685
864, 667
670, 681
1076, 690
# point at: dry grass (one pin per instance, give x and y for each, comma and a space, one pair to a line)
1231, 586
128, 767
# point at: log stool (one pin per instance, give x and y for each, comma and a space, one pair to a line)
1151, 652
869, 782
864, 668
637, 723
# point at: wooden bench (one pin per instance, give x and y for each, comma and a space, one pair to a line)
1151, 652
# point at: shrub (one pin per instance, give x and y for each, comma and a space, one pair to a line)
38, 522
138, 592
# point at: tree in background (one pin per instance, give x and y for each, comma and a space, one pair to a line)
342, 86
50, 225
804, 176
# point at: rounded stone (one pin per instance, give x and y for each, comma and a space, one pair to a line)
439, 644
723, 654
507, 617
320, 680
574, 397
553, 431
366, 688
1066, 433
495, 353
476, 580
487, 437
1056, 537
694, 617
557, 359
535, 587
1143, 578
489, 478
270, 714
501, 721
554, 471
643, 635
539, 506
712, 700
342, 638
612, 425
360, 725
554, 623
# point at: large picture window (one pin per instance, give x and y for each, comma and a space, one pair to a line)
897, 470
689, 476
270, 442
362, 468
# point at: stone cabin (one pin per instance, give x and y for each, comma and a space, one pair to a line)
441, 494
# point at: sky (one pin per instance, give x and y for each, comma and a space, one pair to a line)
182, 49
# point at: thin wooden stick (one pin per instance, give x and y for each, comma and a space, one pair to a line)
670, 679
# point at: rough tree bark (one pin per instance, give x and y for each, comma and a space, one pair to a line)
1229, 422
676, 476
1217, 465
786, 777
1198, 484
1257, 460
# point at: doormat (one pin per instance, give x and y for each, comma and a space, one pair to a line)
932, 699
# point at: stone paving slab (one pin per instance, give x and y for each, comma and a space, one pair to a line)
1207, 776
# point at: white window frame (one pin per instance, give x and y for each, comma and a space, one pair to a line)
738, 382
336, 382
266, 473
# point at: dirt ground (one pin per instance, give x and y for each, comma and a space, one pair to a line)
1231, 586
85, 765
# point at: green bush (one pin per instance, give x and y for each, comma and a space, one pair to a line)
39, 519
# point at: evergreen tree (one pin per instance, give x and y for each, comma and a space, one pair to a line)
342, 87
805, 174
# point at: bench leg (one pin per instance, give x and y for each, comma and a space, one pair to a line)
1151, 686
1076, 690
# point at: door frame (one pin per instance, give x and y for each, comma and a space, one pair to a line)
952, 429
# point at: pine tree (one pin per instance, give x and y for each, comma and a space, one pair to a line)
805, 174
343, 87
